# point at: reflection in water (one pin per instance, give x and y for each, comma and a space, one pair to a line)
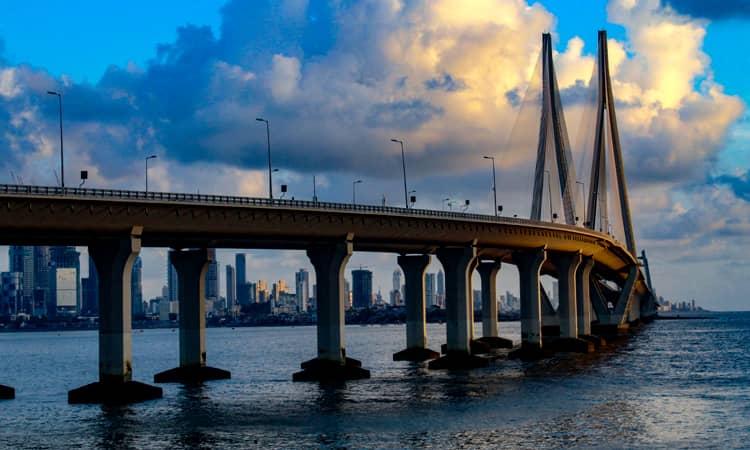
116, 427
677, 384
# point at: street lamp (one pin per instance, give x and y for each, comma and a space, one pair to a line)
403, 165
583, 197
412, 198
549, 186
62, 164
494, 182
268, 139
354, 191
147, 158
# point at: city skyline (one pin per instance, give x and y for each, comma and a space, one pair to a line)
683, 111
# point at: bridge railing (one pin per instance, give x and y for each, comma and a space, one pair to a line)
265, 202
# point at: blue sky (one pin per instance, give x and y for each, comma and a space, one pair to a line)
339, 79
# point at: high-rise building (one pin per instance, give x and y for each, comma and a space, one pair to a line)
361, 288
231, 288
212, 277
66, 287
90, 291
440, 299
44, 297
243, 295
302, 289
136, 288
429, 290
62, 257
396, 280
171, 279
11, 293
261, 290
21, 259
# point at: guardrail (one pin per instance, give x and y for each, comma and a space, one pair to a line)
252, 201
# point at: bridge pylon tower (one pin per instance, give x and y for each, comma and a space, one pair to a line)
553, 139
607, 133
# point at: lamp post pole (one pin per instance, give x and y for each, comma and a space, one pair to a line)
494, 183
62, 159
268, 139
147, 158
354, 191
403, 165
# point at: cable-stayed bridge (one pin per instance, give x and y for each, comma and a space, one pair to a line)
602, 289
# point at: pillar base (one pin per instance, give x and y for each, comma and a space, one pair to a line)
496, 342
530, 353
598, 342
610, 331
416, 354
192, 374
458, 360
325, 370
113, 393
7, 392
570, 345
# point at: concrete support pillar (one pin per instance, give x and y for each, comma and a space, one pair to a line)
567, 265
191, 267
414, 267
458, 266
567, 268
529, 264
114, 263
329, 261
488, 271
583, 298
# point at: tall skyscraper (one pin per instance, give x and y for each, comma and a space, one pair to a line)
429, 290
212, 277
66, 287
136, 288
396, 280
64, 257
361, 288
231, 288
243, 294
90, 291
11, 293
22, 260
44, 297
440, 289
171, 278
302, 289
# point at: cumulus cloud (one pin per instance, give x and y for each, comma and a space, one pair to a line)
337, 80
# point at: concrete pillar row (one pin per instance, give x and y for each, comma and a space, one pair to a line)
414, 267
114, 260
583, 298
567, 269
567, 265
458, 265
329, 261
191, 267
529, 265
